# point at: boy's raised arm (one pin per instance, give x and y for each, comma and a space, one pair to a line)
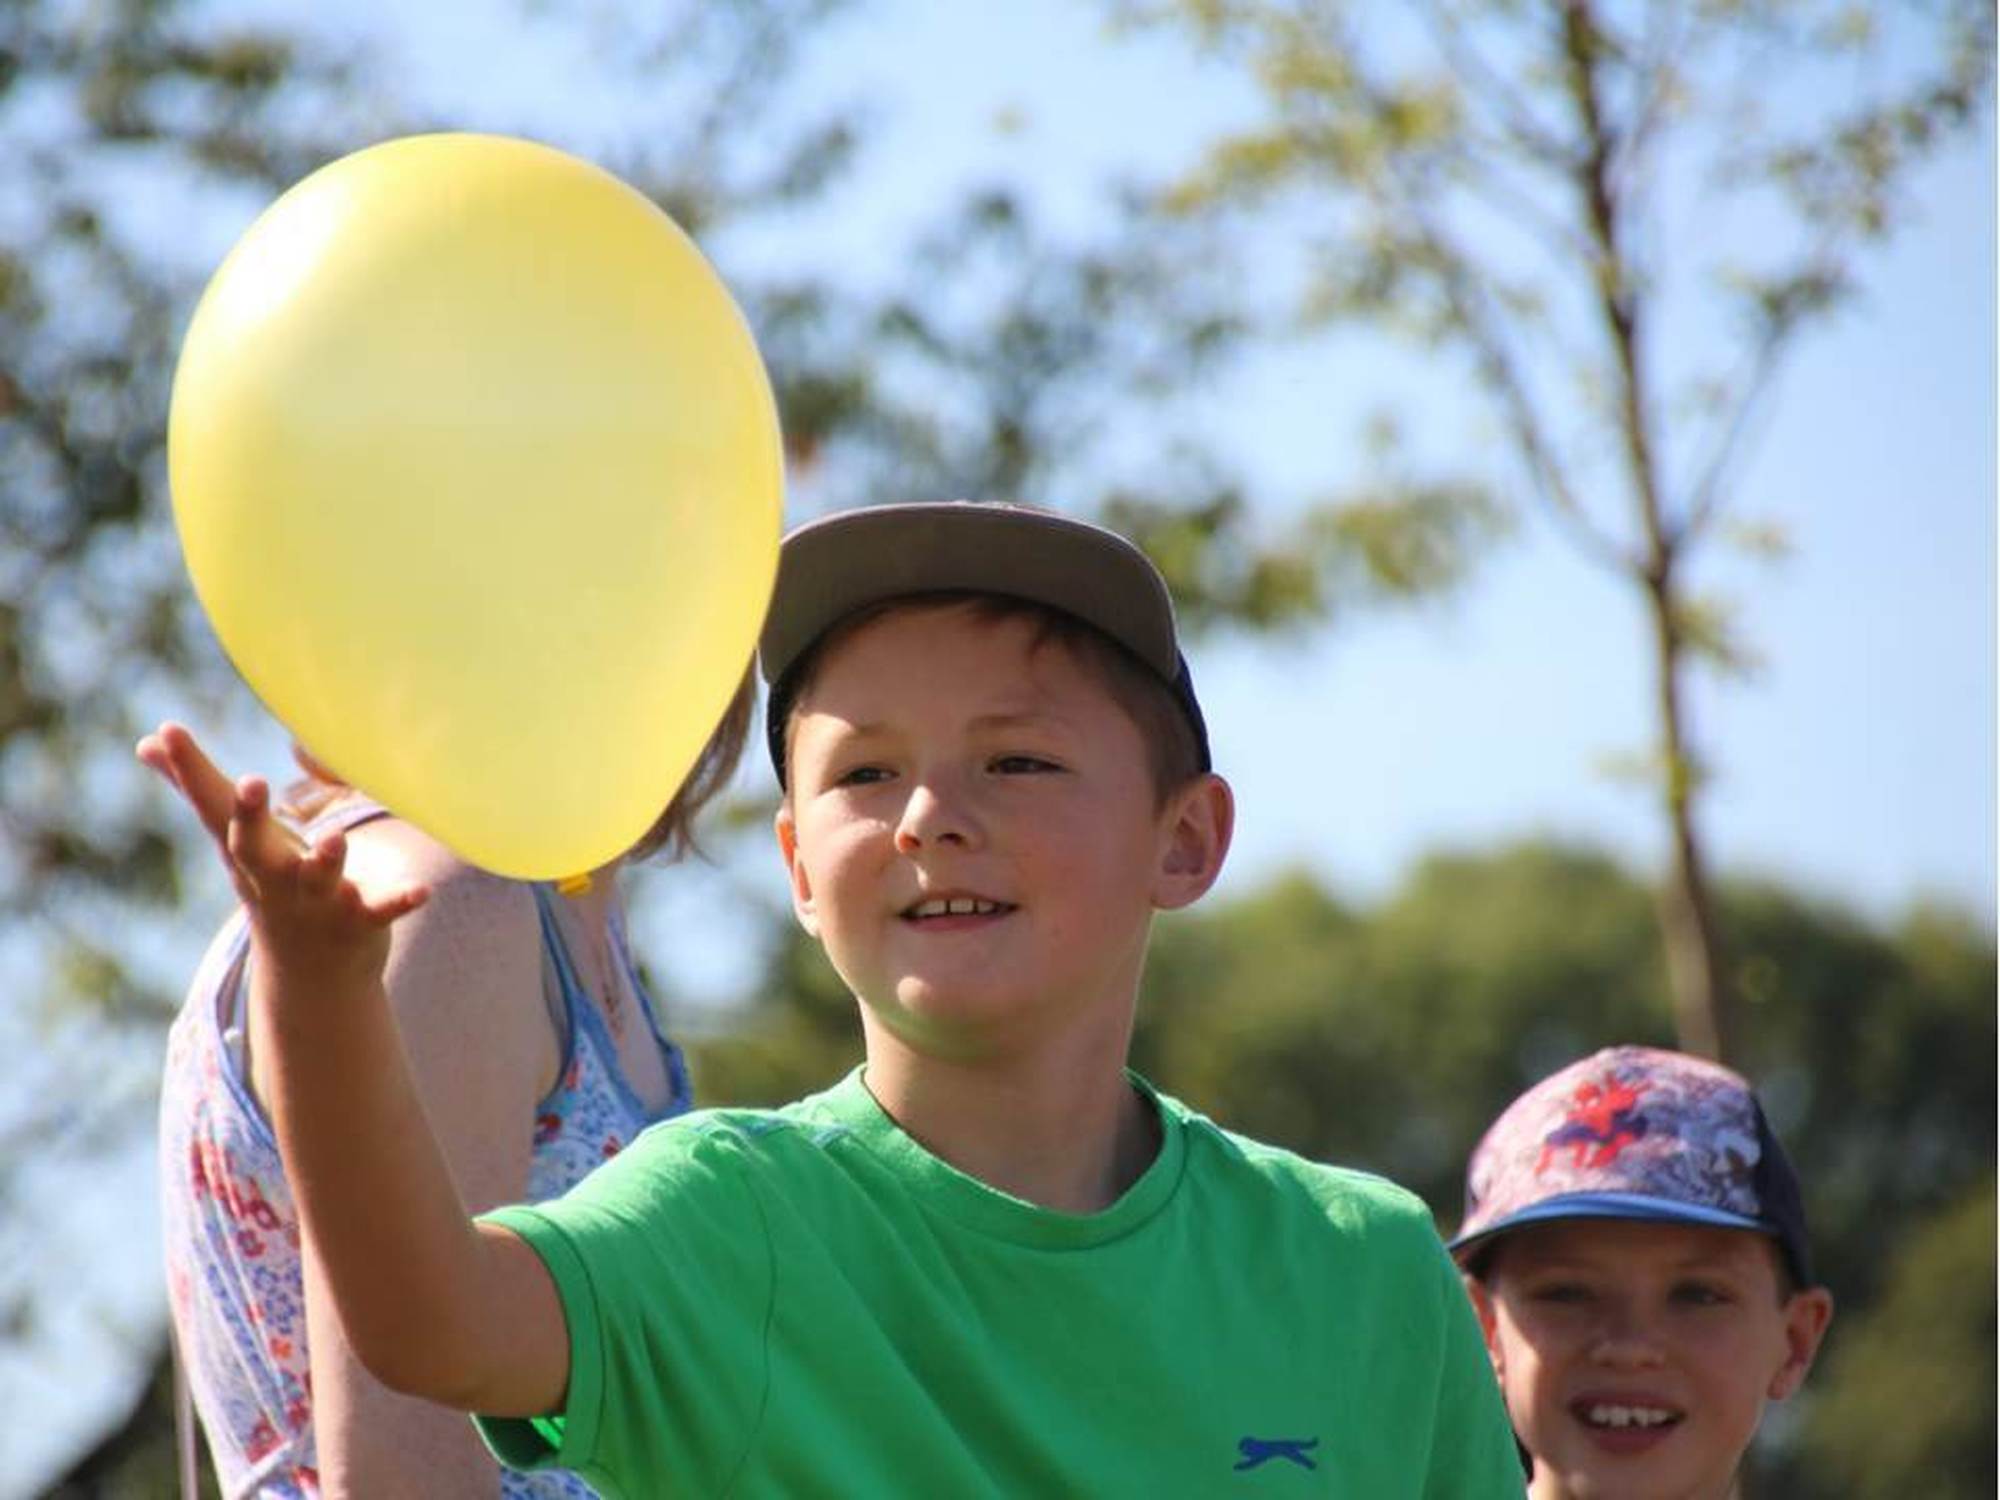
434, 1305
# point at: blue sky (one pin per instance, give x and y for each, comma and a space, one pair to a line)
1858, 765
1861, 763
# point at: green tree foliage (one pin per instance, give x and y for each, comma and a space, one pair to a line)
1388, 1037
1908, 1405
113, 107
1006, 364
1534, 192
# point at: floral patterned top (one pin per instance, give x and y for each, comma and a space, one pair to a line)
234, 1280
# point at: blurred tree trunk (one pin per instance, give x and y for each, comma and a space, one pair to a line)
1691, 940
1702, 998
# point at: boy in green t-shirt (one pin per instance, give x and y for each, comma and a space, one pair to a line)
990, 1262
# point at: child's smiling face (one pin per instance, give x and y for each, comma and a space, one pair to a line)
973, 832
1636, 1357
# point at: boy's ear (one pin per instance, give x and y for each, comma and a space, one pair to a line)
1195, 827
801, 880
1489, 1321
1806, 1317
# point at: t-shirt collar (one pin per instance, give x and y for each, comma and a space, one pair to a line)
946, 1190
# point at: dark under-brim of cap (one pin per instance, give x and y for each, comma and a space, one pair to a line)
1632, 1207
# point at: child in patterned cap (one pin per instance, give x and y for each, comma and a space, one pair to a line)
1636, 1249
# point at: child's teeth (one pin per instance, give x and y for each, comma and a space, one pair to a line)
1629, 1416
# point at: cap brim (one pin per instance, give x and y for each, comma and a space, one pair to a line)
831, 568
1628, 1206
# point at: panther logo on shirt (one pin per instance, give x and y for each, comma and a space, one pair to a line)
1260, 1451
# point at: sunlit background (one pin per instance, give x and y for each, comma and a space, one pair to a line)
1403, 651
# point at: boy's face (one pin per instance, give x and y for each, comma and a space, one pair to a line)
973, 834
1636, 1358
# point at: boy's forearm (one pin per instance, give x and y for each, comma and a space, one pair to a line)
372, 1187
432, 1307
374, 1444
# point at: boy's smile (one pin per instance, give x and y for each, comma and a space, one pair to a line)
972, 832
1636, 1357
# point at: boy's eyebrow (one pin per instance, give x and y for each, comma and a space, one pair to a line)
1571, 1262
1011, 719
1729, 1259
1543, 1264
839, 725
1021, 719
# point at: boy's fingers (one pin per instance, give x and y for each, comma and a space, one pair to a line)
173, 752
159, 753
320, 871
258, 843
397, 904
152, 753
258, 847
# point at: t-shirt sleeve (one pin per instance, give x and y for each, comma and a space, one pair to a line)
1473, 1454
662, 1261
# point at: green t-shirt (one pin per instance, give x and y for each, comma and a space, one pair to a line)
806, 1302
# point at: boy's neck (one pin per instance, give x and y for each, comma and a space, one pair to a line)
1060, 1132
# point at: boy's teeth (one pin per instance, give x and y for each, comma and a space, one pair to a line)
1604, 1415
957, 906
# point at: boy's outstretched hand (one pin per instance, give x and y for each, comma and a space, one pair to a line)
434, 1306
306, 914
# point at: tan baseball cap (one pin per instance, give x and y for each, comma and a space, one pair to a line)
833, 567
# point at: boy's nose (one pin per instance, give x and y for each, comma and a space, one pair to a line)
934, 815
1625, 1341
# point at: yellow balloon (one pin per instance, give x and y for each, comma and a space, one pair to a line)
477, 474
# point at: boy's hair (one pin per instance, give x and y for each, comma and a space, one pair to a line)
1172, 755
1635, 1133
1081, 580
672, 832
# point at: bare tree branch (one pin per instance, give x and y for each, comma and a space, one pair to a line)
1523, 131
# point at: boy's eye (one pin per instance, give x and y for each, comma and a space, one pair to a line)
862, 776
1563, 1293
1700, 1294
1021, 765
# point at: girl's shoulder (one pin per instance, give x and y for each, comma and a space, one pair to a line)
385, 853
467, 966
471, 955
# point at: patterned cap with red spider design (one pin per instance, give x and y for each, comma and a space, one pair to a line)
1635, 1133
